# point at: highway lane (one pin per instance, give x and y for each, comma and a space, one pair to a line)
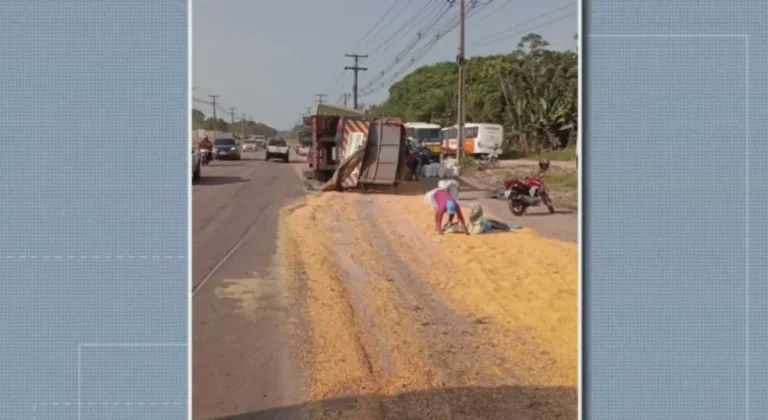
241, 354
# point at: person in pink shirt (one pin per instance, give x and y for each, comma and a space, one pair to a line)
445, 203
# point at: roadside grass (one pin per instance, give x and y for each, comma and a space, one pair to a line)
569, 153
567, 181
564, 186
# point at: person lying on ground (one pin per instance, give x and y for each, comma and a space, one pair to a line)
479, 224
445, 203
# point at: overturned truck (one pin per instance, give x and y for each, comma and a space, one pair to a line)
353, 151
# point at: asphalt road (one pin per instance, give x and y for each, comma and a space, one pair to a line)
241, 355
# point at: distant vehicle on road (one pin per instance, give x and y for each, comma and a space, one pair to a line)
260, 141
427, 133
249, 146
226, 149
480, 139
305, 139
277, 148
197, 165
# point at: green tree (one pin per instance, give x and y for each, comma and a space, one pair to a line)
198, 117
532, 92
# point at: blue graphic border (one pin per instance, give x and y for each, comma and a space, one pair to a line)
95, 209
674, 305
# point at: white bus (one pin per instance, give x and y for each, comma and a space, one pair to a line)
479, 138
425, 132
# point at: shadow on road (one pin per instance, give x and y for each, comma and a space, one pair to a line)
220, 180
227, 163
546, 213
420, 187
507, 402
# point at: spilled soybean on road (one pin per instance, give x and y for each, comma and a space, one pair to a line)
342, 306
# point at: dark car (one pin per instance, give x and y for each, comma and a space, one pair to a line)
226, 149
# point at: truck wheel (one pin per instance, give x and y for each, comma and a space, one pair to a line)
266, 159
287, 159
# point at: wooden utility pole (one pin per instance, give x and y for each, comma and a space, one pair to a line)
460, 60
215, 121
346, 98
320, 98
356, 69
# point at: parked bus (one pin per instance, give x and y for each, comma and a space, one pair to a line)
479, 138
427, 133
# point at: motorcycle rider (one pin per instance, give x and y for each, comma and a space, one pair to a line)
543, 167
206, 144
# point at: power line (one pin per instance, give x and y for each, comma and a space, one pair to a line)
201, 101
438, 6
490, 12
421, 34
393, 19
450, 26
474, 6
407, 26
399, 56
400, 32
356, 69
371, 29
343, 74
525, 31
406, 65
420, 53
519, 24
381, 19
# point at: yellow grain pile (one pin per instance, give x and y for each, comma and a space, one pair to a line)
523, 285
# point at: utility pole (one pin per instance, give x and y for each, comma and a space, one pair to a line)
320, 98
242, 125
215, 121
460, 60
346, 98
356, 68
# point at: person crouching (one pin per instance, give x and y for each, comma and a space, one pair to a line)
445, 203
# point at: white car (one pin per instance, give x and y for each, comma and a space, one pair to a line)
249, 146
278, 149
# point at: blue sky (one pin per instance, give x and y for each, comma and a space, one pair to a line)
268, 58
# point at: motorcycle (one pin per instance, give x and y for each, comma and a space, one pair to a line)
521, 195
207, 156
